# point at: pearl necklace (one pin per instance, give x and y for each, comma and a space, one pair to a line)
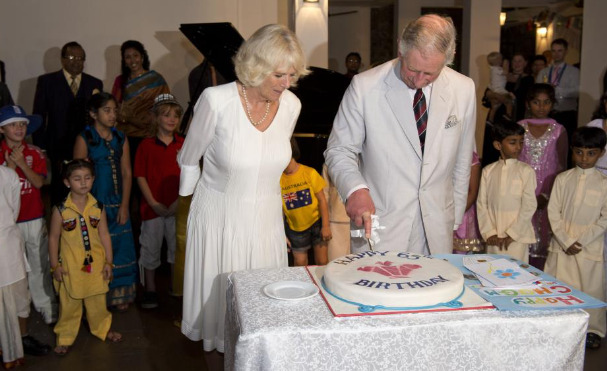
246, 103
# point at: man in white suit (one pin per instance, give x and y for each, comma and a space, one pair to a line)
417, 187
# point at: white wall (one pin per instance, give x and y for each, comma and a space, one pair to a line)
312, 29
407, 11
33, 31
480, 36
349, 33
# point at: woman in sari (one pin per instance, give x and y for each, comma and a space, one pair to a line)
135, 90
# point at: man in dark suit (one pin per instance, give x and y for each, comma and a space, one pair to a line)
61, 101
5, 96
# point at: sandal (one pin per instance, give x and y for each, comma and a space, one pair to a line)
593, 341
113, 337
61, 350
13, 364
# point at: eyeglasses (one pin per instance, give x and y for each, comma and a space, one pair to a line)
18, 124
74, 58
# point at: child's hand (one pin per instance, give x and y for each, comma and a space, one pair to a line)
17, 157
500, 243
288, 244
172, 209
58, 273
325, 233
574, 249
506, 242
160, 209
493, 241
123, 215
9, 161
107, 271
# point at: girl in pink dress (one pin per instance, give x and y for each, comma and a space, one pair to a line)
545, 150
467, 238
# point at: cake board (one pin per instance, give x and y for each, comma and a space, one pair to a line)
469, 299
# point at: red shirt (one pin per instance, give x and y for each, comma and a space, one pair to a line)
157, 163
31, 199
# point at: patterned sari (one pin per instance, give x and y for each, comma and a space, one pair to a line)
137, 98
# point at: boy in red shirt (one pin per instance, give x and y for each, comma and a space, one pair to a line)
30, 165
157, 174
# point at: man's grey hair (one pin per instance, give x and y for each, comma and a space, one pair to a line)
429, 33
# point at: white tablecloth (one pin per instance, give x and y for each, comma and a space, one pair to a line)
268, 334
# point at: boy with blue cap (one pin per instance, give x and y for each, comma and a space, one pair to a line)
30, 165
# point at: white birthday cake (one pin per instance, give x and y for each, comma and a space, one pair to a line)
392, 279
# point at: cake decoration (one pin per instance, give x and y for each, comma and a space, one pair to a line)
393, 280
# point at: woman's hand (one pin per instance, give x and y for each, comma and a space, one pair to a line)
512, 77
495, 98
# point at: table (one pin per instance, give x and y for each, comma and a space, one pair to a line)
268, 334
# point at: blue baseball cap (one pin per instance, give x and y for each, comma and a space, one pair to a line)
10, 114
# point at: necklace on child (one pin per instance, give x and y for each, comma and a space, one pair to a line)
246, 103
107, 137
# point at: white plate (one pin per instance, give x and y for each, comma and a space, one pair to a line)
290, 290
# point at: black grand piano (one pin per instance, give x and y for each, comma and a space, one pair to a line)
320, 92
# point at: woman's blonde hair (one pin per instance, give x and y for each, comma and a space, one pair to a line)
272, 46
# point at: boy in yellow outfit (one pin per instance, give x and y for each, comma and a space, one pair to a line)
83, 267
577, 211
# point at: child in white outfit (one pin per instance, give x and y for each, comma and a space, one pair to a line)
506, 198
498, 68
578, 216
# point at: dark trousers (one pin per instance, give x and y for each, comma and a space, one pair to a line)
569, 120
58, 190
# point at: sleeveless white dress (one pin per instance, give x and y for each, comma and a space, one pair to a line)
235, 220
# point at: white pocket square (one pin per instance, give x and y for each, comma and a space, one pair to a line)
451, 122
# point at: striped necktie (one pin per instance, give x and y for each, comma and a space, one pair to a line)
421, 116
74, 86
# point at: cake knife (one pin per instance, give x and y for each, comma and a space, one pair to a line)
371, 244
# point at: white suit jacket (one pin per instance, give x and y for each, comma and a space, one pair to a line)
374, 142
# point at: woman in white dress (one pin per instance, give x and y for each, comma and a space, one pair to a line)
599, 120
235, 222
